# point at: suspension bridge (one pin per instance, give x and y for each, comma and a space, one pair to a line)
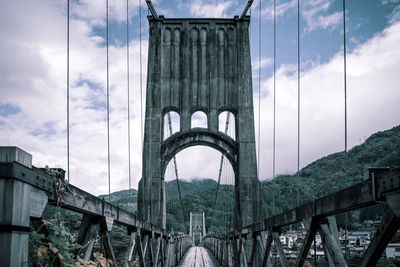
196, 66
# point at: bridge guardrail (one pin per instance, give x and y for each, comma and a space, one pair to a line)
27, 190
251, 245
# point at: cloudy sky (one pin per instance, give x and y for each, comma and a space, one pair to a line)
33, 81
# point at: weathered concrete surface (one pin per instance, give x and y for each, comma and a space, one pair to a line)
198, 257
199, 65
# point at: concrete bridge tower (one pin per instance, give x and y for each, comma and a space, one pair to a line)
199, 65
197, 226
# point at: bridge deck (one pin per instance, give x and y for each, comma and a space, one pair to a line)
199, 257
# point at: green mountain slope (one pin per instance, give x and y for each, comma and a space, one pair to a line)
319, 178
125, 199
327, 175
188, 187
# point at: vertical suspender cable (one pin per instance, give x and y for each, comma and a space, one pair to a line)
274, 123
68, 176
259, 91
345, 101
298, 85
108, 108
274, 126
220, 169
141, 97
129, 112
345, 84
298, 94
176, 169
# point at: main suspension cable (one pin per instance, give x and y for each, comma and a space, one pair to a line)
68, 170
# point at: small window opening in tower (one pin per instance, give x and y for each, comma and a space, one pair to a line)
171, 123
199, 120
226, 124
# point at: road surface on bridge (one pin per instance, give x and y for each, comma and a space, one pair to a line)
198, 257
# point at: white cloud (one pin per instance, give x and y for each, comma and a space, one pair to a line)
94, 12
281, 8
373, 96
261, 63
317, 16
316, 13
33, 75
395, 15
209, 9
34, 79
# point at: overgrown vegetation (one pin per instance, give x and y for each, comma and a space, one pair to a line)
53, 240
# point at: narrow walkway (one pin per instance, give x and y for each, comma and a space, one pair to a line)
199, 257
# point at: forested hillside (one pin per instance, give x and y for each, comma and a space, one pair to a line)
327, 175
319, 178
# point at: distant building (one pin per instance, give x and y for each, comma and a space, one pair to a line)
371, 224
357, 249
393, 251
358, 239
365, 235
283, 240
318, 254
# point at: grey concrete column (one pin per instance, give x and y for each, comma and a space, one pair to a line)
247, 186
151, 197
14, 219
18, 202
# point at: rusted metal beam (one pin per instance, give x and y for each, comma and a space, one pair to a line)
242, 251
253, 251
385, 232
88, 242
156, 251
267, 250
312, 229
140, 249
331, 246
130, 249
281, 253
107, 245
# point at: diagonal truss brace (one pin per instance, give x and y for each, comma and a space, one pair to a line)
385, 232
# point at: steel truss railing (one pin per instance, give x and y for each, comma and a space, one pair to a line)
251, 245
25, 192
